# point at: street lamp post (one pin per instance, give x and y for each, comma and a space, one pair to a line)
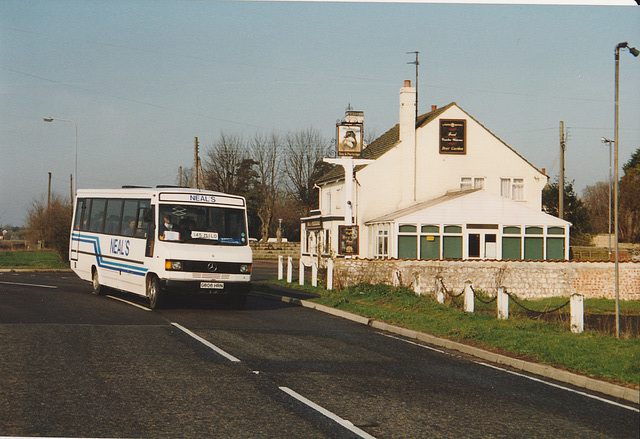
634, 52
610, 183
75, 167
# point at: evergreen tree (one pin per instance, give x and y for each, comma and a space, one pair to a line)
574, 210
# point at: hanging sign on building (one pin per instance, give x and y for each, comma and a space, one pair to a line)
348, 240
453, 136
349, 139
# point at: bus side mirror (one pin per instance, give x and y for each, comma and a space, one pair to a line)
147, 215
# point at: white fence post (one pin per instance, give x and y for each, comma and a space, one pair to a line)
280, 267
314, 273
468, 297
439, 290
395, 278
503, 304
301, 273
577, 313
329, 274
289, 269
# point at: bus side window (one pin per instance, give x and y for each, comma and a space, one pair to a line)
80, 219
96, 222
130, 222
113, 216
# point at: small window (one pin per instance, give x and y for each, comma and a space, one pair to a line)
383, 244
533, 231
408, 229
512, 188
452, 229
510, 230
430, 229
555, 231
518, 189
466, 183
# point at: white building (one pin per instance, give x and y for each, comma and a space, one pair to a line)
439, 186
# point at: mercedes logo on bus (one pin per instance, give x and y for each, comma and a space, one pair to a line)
212, 267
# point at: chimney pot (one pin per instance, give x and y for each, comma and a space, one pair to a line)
407, 83
544, 171
434, 107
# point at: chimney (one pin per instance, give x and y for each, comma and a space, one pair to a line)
407, 112
434, 107
407, 137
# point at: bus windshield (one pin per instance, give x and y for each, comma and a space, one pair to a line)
205, 225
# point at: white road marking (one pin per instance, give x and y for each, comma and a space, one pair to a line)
558, 386
414, 343
129, 303
519, 374
206, 343
29, 285
346, 424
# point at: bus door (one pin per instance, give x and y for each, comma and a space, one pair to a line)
150, 223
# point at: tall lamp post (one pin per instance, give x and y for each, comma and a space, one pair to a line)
610, 142
75, 167
634, 52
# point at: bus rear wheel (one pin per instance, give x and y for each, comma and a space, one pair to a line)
97, 289
155, 293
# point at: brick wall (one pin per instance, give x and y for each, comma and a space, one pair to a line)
272, 250
526, 279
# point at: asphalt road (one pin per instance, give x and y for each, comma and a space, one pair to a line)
76, 365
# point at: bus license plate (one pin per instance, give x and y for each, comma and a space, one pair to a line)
212, 285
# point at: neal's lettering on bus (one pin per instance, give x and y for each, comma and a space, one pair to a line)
203, 198
120, 246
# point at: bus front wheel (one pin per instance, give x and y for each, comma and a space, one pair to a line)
155, 293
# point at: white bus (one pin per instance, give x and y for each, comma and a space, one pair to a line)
155, 242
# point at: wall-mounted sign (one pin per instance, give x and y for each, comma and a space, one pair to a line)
348, 240
314, 224
349, 138
453, 136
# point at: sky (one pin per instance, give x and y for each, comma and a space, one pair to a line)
141, 79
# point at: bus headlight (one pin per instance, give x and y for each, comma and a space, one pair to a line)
173, 265
245, 268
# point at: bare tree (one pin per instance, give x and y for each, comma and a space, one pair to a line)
304, 165
223, 159
266, 151
50, 225
596, 200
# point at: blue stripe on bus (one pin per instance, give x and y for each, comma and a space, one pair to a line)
132, 269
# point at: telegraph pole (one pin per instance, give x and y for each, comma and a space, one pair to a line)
561, 178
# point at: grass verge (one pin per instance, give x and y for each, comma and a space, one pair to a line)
590, 353
32, 260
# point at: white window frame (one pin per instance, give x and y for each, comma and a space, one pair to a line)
467, 183
514, 188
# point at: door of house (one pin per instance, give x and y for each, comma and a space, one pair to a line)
482, 246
